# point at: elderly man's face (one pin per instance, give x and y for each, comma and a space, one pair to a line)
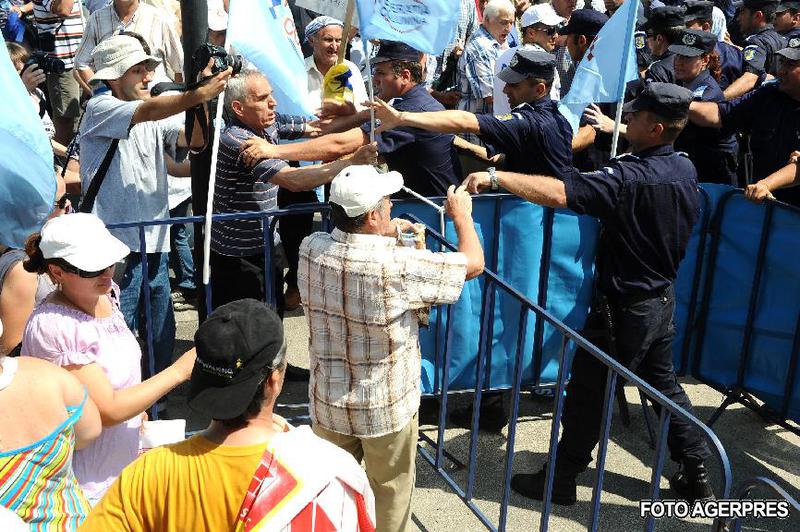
326, 43
257, 110
134, 83
499, 26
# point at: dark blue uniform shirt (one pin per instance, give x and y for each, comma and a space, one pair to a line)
731, 62
791, 34
713, 151
662, 70
535, 138
759, 51
647, 204
428, 161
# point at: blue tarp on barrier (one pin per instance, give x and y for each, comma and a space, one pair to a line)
514, 251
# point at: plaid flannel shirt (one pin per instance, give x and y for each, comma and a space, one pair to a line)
475, 74
360, 293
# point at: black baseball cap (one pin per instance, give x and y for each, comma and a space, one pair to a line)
395, 51
665, 17
235, 345
664, 99
788, 4
758, 4
694, 43
698, 10
584, 22
792, 50
529, 63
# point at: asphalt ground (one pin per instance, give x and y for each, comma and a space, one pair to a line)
754, 447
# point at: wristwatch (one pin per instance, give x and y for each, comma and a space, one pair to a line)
493, 181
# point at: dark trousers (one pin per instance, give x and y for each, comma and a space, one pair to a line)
294, 229
234, 278
642, 333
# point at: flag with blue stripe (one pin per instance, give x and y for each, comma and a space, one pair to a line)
263, 31
606, 68
27, 178
425, 25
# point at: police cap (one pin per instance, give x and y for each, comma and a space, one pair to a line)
395, 51
756, 5
529, 62
665, 17
786, 5
584, 22
664, 99
792, 50
698, 10
694, 43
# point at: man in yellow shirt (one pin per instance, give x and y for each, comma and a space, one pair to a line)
249, 468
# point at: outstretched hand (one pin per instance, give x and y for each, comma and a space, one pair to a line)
389, 116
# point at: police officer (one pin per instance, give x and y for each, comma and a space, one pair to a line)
712, 151
663, 27
755, 20
647, 203
698, 17
787, 19
534, 138
770, 114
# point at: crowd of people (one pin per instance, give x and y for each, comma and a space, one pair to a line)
716, 101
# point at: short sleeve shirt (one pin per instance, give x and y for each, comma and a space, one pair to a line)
535, 138
475, 74
647, 204
67, 31
759, 51
135, 186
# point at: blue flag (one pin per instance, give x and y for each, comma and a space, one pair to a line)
263, 31
27, 179
425, 25
608, 65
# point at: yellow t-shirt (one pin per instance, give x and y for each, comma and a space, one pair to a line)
194, 485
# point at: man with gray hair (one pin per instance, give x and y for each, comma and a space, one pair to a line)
475, 73
237, 246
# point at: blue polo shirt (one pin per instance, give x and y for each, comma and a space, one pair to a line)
535, 138
428, 161
647, 203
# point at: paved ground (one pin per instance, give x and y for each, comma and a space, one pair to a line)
753, 447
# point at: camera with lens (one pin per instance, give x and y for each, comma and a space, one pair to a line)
222, 59
49, 65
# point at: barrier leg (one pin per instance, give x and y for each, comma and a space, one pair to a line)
605, 429
658, 467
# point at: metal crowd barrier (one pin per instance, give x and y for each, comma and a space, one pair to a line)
746, 488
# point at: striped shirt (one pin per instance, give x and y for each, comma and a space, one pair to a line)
68, 31
475, 74
242, 189
360, 294
149, 22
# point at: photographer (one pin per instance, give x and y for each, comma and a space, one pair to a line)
32, 76
126, 128
59, 26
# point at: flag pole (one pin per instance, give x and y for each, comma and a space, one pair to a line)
370, 87
633, 6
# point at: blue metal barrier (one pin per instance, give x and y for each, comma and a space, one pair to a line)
745, 488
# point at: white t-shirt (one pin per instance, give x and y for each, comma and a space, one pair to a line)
315, 79
501, 105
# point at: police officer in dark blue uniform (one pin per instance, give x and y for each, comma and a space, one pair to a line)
770, 114
712, 151
698, 17
663, 27
755, 19
534, 137
647, 203
787, 21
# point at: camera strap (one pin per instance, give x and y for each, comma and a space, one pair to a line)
160, 88
87, 203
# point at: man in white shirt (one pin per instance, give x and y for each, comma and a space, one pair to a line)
539, 27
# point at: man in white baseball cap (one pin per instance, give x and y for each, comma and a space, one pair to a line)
361, 292
539, 25
126, 127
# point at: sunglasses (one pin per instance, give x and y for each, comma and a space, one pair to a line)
547, 30
83, 274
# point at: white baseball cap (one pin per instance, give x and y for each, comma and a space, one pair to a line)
115, 55
217, 16
82, 240
540, 14
358, 189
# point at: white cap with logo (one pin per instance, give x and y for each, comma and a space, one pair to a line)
358, 189
540, 14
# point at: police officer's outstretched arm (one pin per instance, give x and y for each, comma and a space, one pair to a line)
438, 121
705, 114
540, 189
459, 207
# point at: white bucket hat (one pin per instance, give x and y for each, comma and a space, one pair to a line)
115, 55
358, 188
82, 240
